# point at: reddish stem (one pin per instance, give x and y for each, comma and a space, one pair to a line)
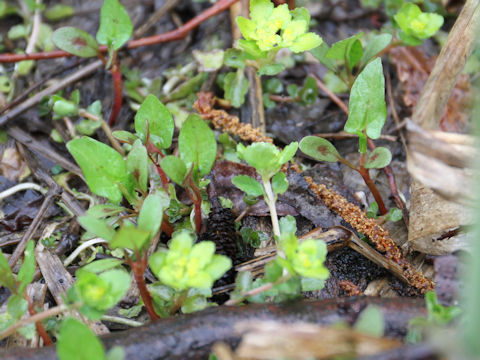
177, 34
373, 189
38, 325
393, 185
196, 197
138, 268
117, 93
167, 228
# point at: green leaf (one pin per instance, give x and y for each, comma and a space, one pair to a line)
372, 210
17, 306
260, 10
75, 41
130, 237
417, 24
154, 117
209, 61
375, 46
339, 50
175, 168
236, 86
368, 110
103, 167
137, 166
125, 136
309, 93
116, 353
197, 144
354, 54
248, 185
72, 333
59, 11
319, 53
235, 58
272, 86
102, 265
270, 69
279, 183
312, 284
25, 274
263, 157
218, 266
115, 25
394, 214
189, 87
288, 153
150, 217
97, 227
195, 303
378, 158
319, 148
6, 276
118, 282
246, 26
371, 321
306, 42
288, 225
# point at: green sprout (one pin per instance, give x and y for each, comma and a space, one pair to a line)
272, 28
267, 160
416, 25
367, 115
187, 273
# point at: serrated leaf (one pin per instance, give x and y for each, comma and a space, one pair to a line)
248, 185
130, 237
75, 41
72, 333
151, 214
235, 85
154, 117
103, 167
375, 46
367, 108
279, 183
378, 158
115, 25
319, 148
197, 144
175, 168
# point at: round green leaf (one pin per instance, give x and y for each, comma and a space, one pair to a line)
319, 148
154, 117
115, 25
72, 333
103, 167
75, 41
378, 158
175, 168
367, 108
197, 144
279, 183
248, 185
130, 237
150, 217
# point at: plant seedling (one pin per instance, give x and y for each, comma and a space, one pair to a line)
114, 31
416, 25
438, 315
267, 160
135, 239
367, 115
197, 152
301, 268
186, 273
268, 30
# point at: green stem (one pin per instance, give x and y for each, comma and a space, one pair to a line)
270, 200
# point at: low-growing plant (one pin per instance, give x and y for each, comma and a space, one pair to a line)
114, 31
367, 115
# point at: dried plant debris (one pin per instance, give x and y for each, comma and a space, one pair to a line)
223, 120
353, 215
413, 68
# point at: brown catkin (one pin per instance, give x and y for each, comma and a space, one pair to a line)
350, 288
353, 215
223, 120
